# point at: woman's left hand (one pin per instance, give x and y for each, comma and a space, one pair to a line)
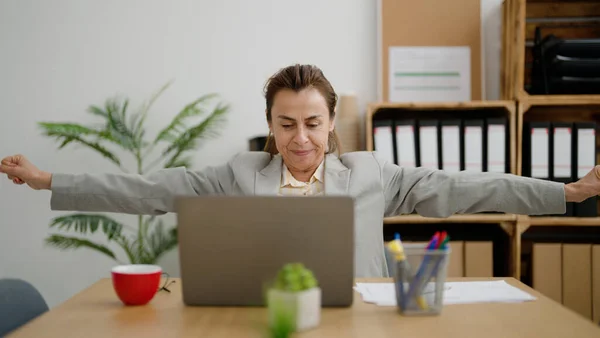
586, 187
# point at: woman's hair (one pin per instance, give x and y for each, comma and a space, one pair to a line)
297, 78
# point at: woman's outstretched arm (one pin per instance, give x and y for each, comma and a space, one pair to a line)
123, 193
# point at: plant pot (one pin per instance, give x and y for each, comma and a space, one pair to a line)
297, 310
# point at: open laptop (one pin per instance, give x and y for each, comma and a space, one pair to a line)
231, 248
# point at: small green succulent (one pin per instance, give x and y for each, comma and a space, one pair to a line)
284, 322
294, 277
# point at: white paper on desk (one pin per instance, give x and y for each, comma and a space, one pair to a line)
429, 74
384, 294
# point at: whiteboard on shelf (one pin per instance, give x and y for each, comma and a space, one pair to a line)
429, 74
417, 23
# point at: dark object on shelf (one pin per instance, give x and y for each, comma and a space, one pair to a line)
257, 143
565, 66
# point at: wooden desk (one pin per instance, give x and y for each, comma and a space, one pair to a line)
96, 312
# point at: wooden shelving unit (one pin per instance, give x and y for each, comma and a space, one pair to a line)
510, 24
564, 221
524, 223
556, 109
477, 218
552, 108
448, 110
546, 108
559, 108
564, 19
455, 110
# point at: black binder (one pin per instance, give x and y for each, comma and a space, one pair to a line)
429, 152
493, 147
584, 136
531, 166
386, 151
450, 147
406, 153
561, 156
466, 148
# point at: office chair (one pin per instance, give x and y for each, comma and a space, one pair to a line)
20, 302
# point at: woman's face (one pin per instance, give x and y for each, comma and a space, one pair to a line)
300, 124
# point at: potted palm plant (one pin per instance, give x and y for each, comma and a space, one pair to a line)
294, 302
121, 129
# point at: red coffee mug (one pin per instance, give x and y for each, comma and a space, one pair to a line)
136, 284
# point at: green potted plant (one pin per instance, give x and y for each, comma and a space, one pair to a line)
294, 302
124, 131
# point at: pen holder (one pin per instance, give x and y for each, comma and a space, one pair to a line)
419, 279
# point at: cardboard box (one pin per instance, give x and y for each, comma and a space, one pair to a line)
479, 259
547, 270
577, 278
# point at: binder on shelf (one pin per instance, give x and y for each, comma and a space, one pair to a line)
497, 141
406, 143
536, 150
383, 139
561, 169
473, 145
450, 145
526, 150
428, 144
584, 138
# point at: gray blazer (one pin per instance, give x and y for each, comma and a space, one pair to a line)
379, 188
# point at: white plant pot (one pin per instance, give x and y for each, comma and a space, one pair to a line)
304, 307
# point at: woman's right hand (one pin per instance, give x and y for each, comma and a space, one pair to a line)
20, 171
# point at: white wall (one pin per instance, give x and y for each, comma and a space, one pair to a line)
491, 35
58, 57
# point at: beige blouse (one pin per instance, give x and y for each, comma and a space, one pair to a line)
292, 187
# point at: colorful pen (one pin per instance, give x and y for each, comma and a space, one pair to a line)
401, 268
418, 282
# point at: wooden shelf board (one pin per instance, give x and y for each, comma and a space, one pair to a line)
509, 104
564, 221
476, 218
554, 100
